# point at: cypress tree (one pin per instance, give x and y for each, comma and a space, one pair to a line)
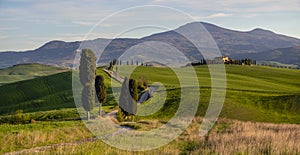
134, 94
124, 97
100, 91
128, 97
87, 70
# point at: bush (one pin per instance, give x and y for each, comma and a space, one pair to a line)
120, 116
19, 118
143, 83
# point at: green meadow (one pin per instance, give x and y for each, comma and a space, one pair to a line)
26, 71
253, 93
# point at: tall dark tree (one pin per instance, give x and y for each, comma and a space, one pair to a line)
128, 97
134, 94
110, 67
87, 70
114, 62
100, 91
124, 97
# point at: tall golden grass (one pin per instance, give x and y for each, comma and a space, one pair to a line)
237, 137
226, 137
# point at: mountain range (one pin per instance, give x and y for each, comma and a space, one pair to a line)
258, 44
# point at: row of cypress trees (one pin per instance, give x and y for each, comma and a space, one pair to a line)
92, 83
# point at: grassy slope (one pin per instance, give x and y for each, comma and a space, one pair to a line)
253, 93
40, 94
48, 95
26, 71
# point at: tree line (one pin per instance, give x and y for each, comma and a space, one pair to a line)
220, 61
115, 62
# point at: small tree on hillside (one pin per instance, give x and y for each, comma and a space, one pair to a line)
100, 91
87, 70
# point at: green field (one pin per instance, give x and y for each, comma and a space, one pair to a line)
26, 71
253, 93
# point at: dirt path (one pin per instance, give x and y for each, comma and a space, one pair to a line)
114, 75
113, 116
145, 96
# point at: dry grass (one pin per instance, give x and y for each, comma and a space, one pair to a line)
236, 137
226, 137
22, 139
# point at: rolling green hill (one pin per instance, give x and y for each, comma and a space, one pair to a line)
43, 93
254, 93
27, 71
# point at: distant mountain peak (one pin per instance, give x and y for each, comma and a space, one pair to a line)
196, 24
52, 44
261, 31
58, 44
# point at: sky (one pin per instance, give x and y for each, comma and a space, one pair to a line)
28, 24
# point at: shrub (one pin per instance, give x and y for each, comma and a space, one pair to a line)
120, 116
19, 118
143, 83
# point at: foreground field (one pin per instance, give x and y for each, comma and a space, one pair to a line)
253, 94
227, 137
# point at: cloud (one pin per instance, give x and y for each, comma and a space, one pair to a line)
8, 19
233, 5
264, 5
215, 15
218, 15
84, 23
8, 28
249, 15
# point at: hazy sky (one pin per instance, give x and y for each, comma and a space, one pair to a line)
27, 24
